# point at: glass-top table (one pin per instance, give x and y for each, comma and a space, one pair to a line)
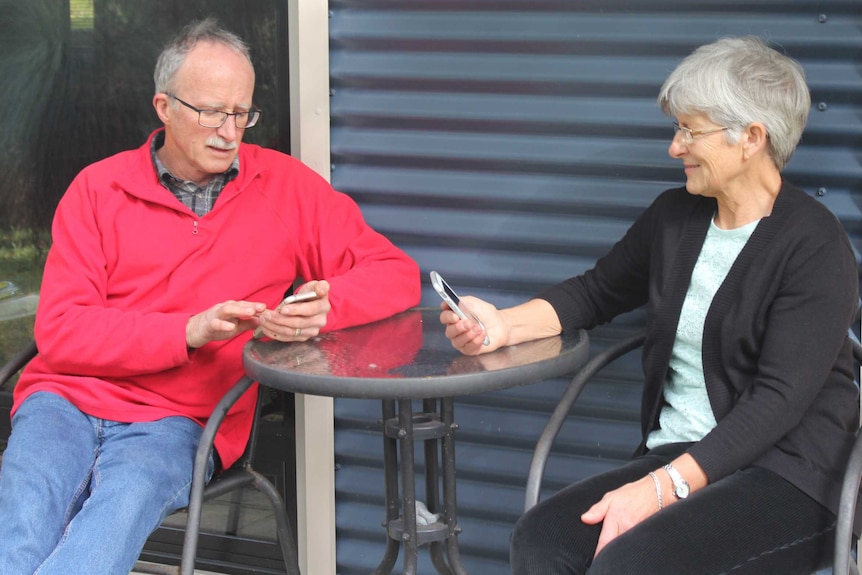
397, 360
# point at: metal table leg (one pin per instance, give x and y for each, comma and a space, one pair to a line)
450, 510
432, 491
390, 470
408, 486
401, 431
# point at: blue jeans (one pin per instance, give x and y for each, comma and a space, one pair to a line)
80, 494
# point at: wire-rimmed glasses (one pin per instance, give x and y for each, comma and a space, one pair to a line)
217, 118
688, 135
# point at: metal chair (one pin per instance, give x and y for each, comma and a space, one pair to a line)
564, 406
844, 538
238, 476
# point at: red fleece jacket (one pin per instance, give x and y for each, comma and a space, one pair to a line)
130, 265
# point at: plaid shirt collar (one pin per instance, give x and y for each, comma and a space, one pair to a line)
199, 199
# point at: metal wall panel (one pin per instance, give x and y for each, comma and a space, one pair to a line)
508, 144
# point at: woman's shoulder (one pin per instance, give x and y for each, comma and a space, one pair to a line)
802, 227
803, 209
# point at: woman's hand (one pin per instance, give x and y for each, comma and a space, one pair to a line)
534, 319
467, 335
622, 509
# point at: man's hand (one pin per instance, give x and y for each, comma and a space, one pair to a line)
622, 509
299, 321
222, 321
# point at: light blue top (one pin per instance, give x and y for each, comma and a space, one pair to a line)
687, 414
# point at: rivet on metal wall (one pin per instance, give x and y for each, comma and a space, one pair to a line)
822, 106
822, 18
821, 192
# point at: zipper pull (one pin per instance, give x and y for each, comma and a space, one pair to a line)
195, 230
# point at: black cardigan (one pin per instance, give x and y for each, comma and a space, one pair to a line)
776, 361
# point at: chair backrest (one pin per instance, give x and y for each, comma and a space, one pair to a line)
849, 494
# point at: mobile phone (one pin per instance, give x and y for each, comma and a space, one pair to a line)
292, 298
453, 301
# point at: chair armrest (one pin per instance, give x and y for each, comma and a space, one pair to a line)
196, 495
18, 361
564, 406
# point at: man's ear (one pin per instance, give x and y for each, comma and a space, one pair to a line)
162, 105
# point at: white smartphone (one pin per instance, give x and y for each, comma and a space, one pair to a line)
453, 301
293, 298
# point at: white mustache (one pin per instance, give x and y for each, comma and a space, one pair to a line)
217, 142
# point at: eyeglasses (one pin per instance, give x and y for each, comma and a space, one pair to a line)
689, 135
217, 118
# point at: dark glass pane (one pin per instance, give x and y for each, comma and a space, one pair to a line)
77, 87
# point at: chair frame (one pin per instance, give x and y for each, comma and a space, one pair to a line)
843, 564
844, 538
238, 476
564, 406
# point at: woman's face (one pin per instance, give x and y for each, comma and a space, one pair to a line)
711, 163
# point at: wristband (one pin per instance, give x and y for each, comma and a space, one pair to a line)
657, 489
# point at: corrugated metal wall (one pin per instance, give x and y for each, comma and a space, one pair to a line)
508, 144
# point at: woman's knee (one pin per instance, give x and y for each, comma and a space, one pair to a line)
530, 548
528, 531
551, 539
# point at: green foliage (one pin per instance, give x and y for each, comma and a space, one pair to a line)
22, 257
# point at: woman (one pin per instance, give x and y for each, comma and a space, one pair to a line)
749, 404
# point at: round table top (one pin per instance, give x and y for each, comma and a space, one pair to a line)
406, 356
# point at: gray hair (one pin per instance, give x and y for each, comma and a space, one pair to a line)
737, 81
174, 54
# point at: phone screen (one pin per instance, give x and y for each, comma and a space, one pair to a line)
449, 291
453, 301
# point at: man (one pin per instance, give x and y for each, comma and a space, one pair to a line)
164, 261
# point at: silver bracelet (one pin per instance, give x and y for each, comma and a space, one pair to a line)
657, 489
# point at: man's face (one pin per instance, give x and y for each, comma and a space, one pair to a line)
213, 77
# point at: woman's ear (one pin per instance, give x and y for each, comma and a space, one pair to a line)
754, 139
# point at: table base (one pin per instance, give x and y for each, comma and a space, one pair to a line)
402, 427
